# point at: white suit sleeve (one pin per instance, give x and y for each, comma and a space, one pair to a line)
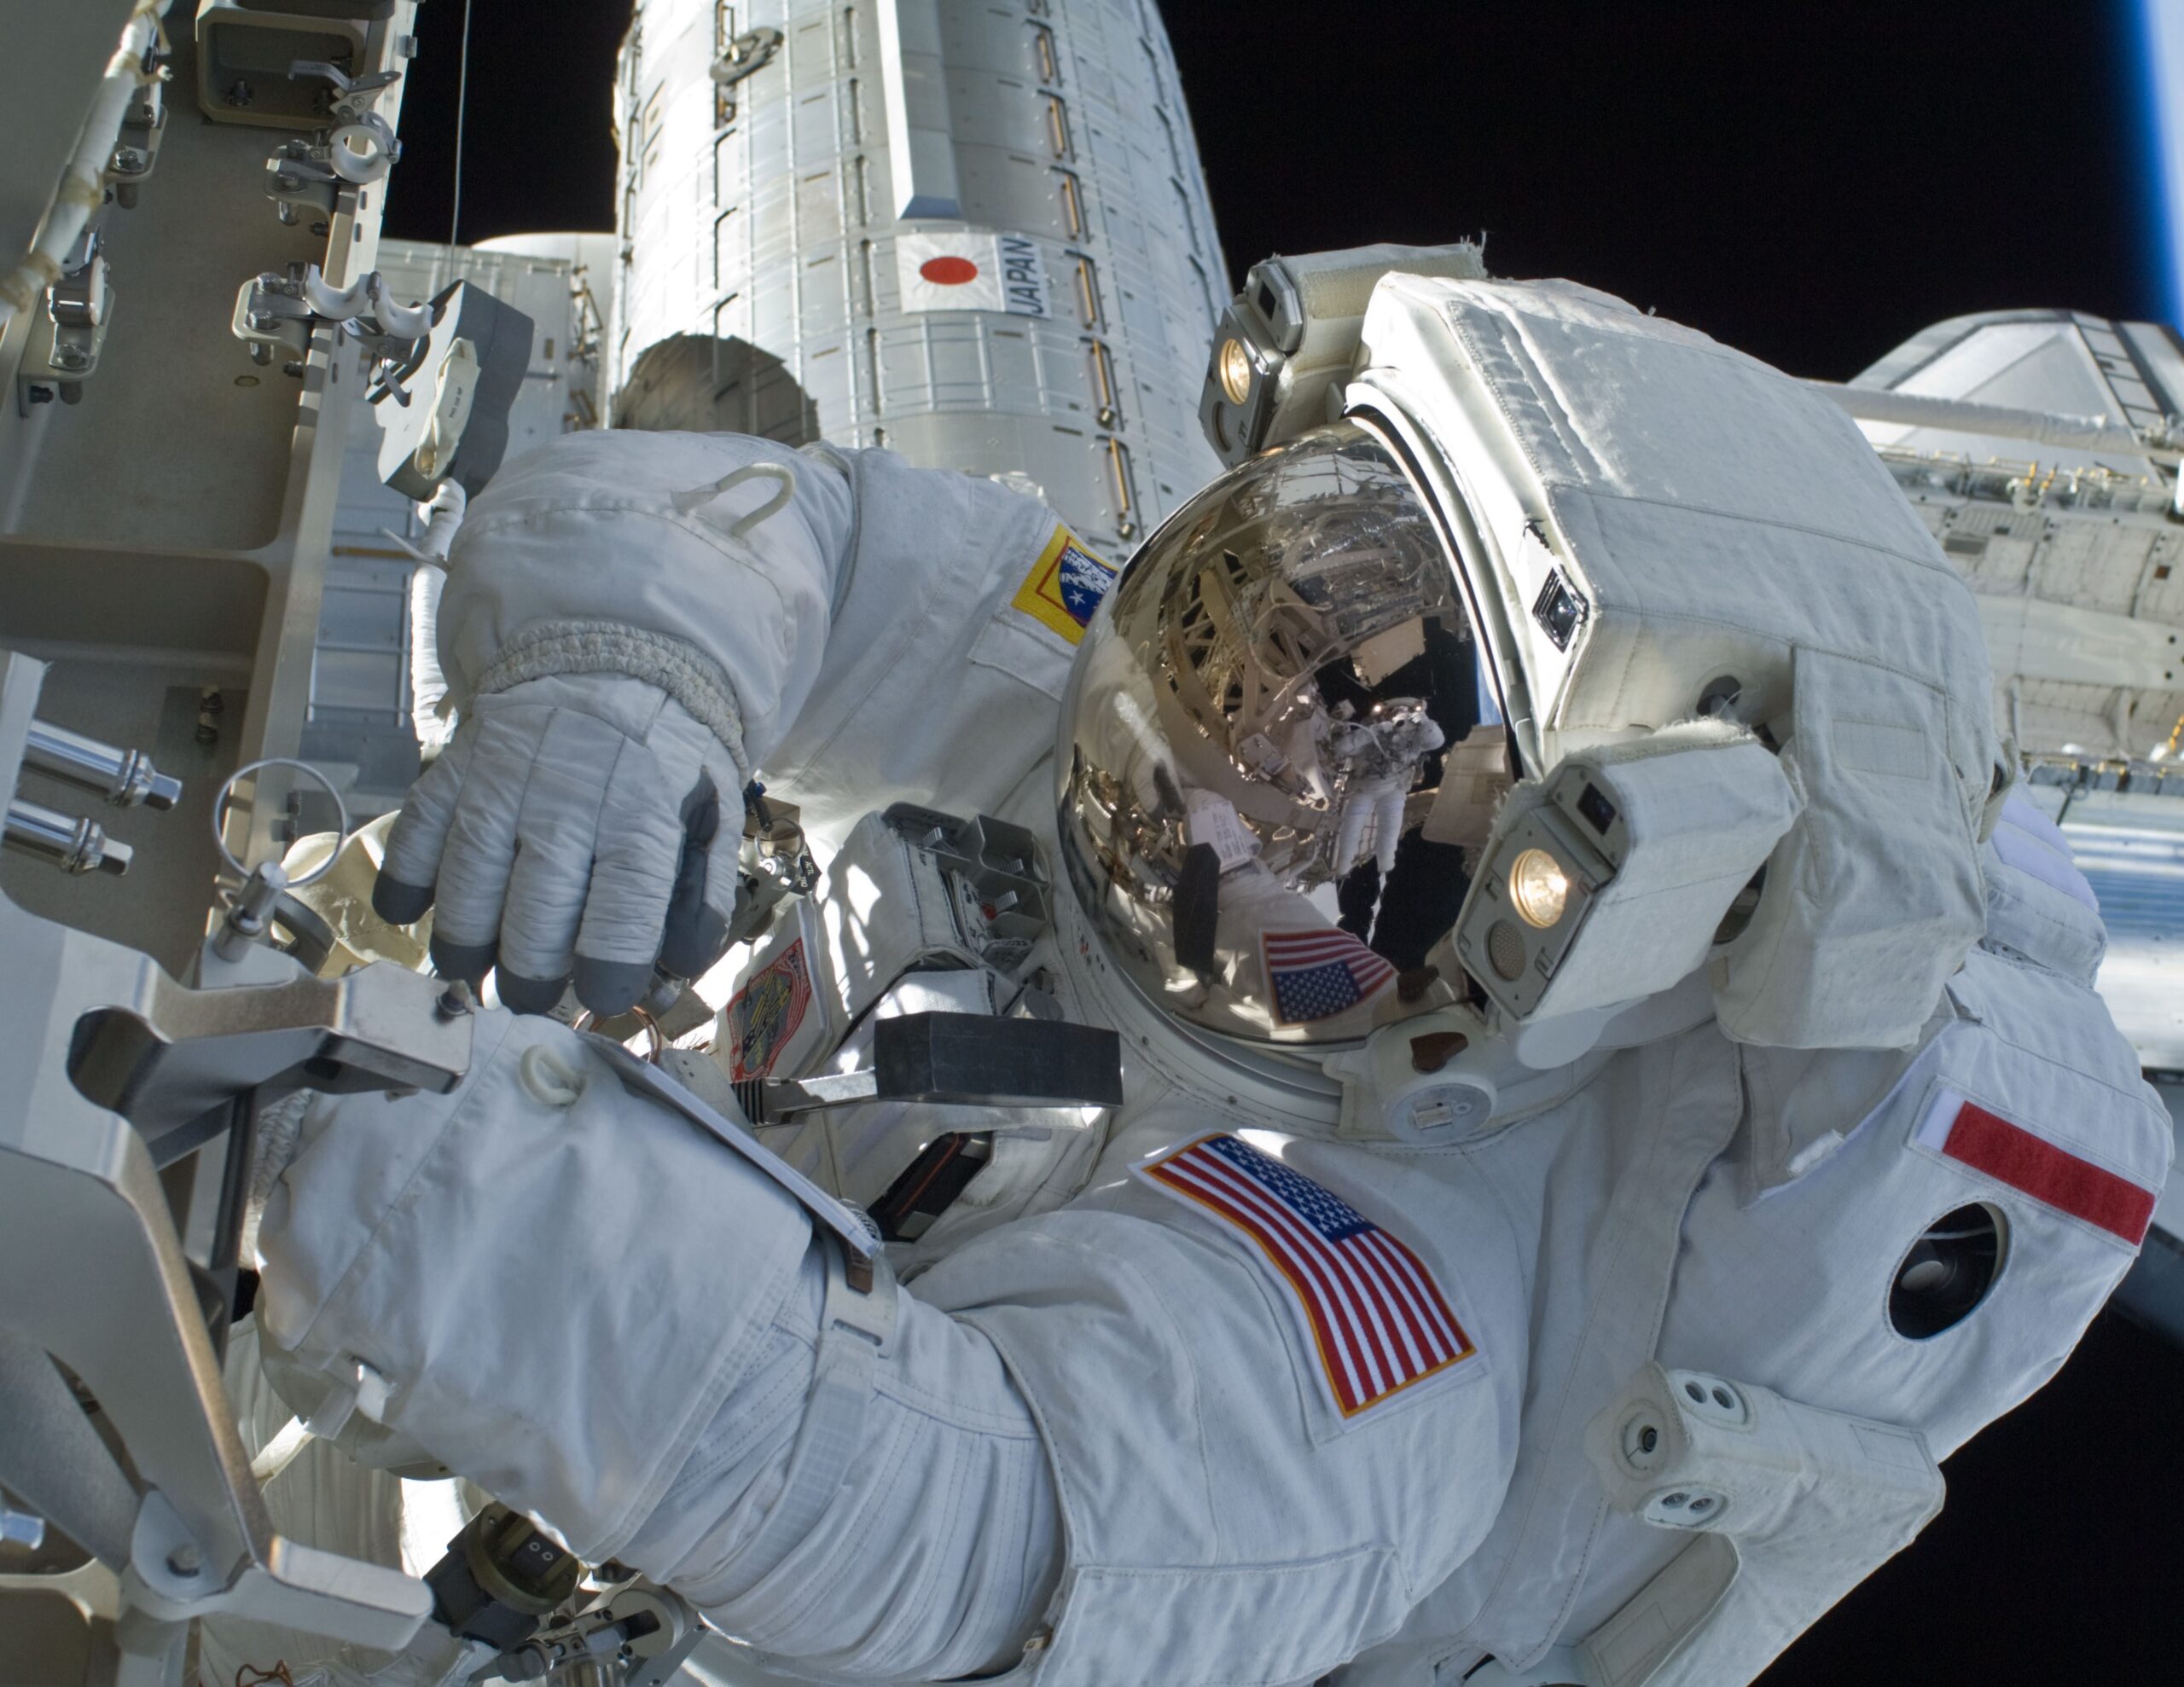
704, 564
1086, 1442
720, 567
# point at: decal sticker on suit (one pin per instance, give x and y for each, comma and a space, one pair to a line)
1371, 1309
764, 1014
1066, 584
1956, 1127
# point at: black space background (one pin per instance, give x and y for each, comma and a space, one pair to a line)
1810, 183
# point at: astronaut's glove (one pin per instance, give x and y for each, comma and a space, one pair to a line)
580, 825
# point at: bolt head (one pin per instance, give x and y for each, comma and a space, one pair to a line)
186, 1560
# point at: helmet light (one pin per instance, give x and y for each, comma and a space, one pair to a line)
1235, 364
1539, 889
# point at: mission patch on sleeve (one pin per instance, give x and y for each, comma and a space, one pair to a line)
1065, 587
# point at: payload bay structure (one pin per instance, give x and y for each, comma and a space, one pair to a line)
976, 234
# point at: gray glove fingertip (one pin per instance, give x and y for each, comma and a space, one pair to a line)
520, 995
408, 878
611, 987
632, 885
399, 904
703, 899
470, 962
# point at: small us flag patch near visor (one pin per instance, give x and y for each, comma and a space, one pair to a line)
1312, 975
1959, 1128
1375, 1316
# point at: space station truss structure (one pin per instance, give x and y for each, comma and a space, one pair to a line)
2066, 527
976, 233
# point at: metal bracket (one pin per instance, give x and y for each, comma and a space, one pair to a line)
352, 95
275, 313
750, 52
168, 1053
61, 349
96, 1036
996, 865
137, 150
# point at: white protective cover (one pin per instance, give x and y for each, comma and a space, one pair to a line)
1718, 520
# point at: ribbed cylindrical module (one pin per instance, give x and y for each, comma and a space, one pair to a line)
975, 232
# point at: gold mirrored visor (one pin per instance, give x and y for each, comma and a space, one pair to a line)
1256, 715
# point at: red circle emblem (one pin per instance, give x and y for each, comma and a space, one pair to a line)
948, 272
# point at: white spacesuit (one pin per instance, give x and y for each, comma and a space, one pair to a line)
1287, 1368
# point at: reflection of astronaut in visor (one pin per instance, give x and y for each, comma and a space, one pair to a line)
1282, 661
1380, 756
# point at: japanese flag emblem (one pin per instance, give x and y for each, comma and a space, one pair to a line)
971, 271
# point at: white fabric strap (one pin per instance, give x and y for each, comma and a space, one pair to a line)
684, 671
857, 1329
698, 497
847, 465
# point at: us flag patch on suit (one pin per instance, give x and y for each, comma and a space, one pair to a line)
1372, 1312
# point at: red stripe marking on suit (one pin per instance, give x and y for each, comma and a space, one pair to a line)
2052, 1176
